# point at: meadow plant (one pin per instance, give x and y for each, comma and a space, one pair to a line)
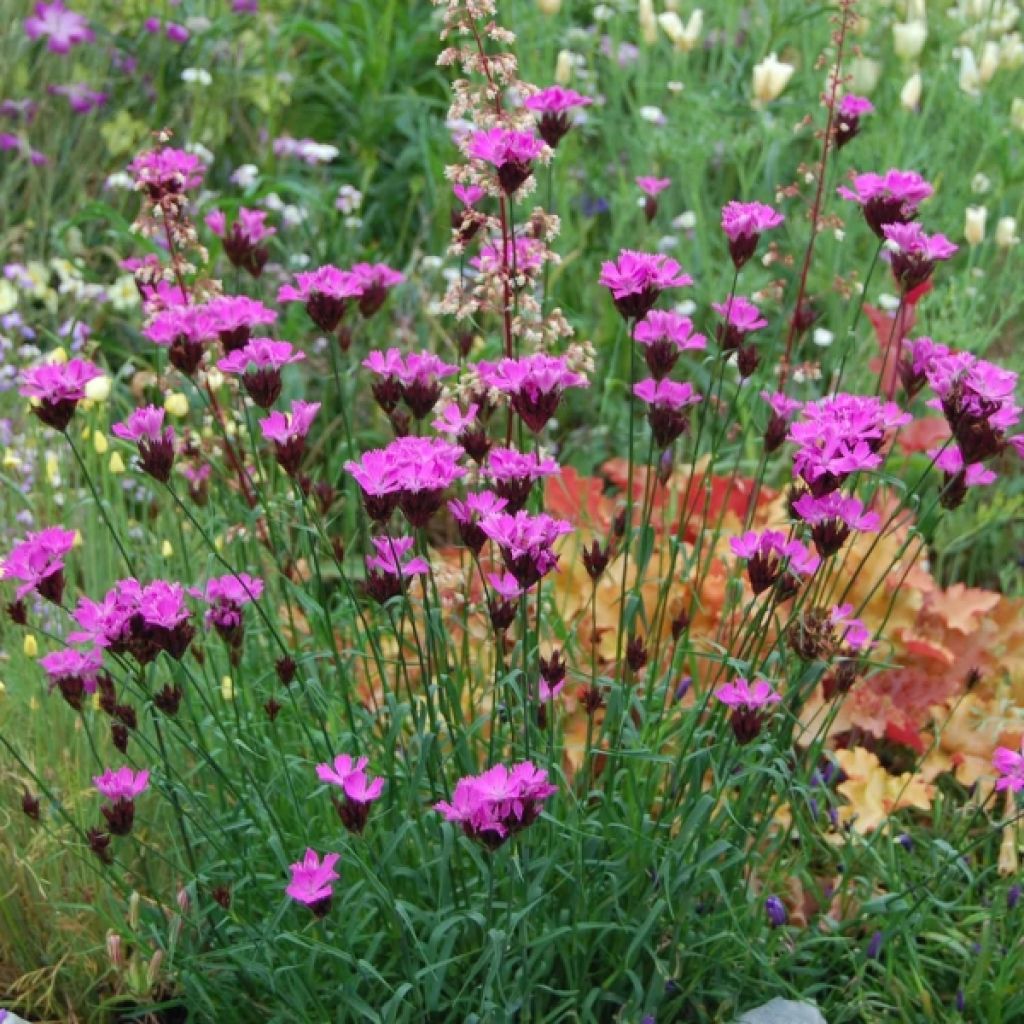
613, 721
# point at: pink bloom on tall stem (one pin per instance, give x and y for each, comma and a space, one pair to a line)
243, 243
325, 291
526, 543
288, 433
57, 389
183, 330
416, 377
375, 281
890, 198
664, 337
62, 27
511, 153
653, 187
553, 106
389, 568
513, 473
226, 596
851, 631
771, 557
522, 259
637, 279
668, 401
165, 171
349, 775
498, 803
74, 673
833, 517
146, 428
748, 704
311, 882
468, 195
743, 224
38, 562
740, 317
259, 364
121, 787
913, 254
233, 317
468, 513
850, 110
1010, 766
534, 384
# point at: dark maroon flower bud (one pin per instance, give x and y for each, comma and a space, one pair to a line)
464, 342
806, 315
30, 805
52, 587
99, 843
119, 736
552, 127
421, 396
272, 708
840, 680
596, 559
619, 523
352, 814
221, 894
476, 443
322, 907
661, 356
263, 385
552, 669
242, 253
502, 614
56, 414
324, 493
285, 667
650, 208
289, 455
72, 689
972, 679
400, 423
787, 586
666, 424
168, 699
107, 694
775, 433
515, 490
829, 535
680, 624
636, 653
338, 549
157, 457
185, 354
17, 612
954, 490
746, 360
325, 311
344, 337
235, 338
120, 816
380, 506
591, 698
666, 466
373, 297
126, 713
419, 507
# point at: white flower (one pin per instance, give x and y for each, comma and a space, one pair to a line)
604, 12
563, 67
431, 264
974, 225
686, 308
989, 63
8, 296
771, 76
970, 79
864, 75
910, 94
119, 179
1011, 51
822, 337
888, 302
648, 22
197, 24
686, 221
349, 199
667, 242
200, 151
292, 216
683, 37
908, 39
654, 115
1006, 232
674, 87
197, 76
123, 294
980, 184
245, 175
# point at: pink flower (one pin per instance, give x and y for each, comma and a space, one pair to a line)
311, 881
389, 568
62, 27
890, 198
233, 317
555, 100
217, 222
851, 631
38, 561
359, 789
243, 243
453, 421
832, 517
851, 109
375, 280
526, 543
771, 557
57, 389
741, 317
146, 428
165, 171
288, 433
913, 254
636, 279
122, 784
741, 693
81, 98
498, 803
469, 512
259, 364
176, 33
226, 596
664, 336
668, 401
653, 186
511, 152
525, 257
325, 291
743, 224
417, 376
534, 384
468, 195
513, 474
74, 673
1010, 766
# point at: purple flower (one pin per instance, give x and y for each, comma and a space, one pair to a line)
146, 428
512, 153
243, 243
913, 254
38, 562
741, 317
636, 279
468, 195
526, 543
454, 422
259, 364
165, 171
416, 376
748, 705
325, 292
554, 104
389, 567
233, 317
775, 910
668, 401
890, 198
534, 384
513, 473
469, 512
832, 517
849, 630
771, 557
1010, 766
63, 28
851, 109
288, 433
81, 98
359, 789
176, 33
664, 336
226, 596
375, 281
57, 388
74, 673
743, 224
120, 787
311, 881
498, 803
653, 187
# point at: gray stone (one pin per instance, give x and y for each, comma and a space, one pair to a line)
783, 1011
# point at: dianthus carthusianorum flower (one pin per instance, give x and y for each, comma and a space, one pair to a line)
61, 27
832, 518
664, 336
288, 433
468, 513
146, 428
533, 383
913, 254
38, 562
512, 474
637, 279
667, 401
56, 389
388, 568
259, 364
890, 198
226, 596
311, 881
120, 788
165, 171
511, 153
243, 243
359, 790
325, 291
1010, 766
771, 557
496, 804
553, 106
415, 377
526, 543
743, 224
74, 673
848, 114
748, 703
